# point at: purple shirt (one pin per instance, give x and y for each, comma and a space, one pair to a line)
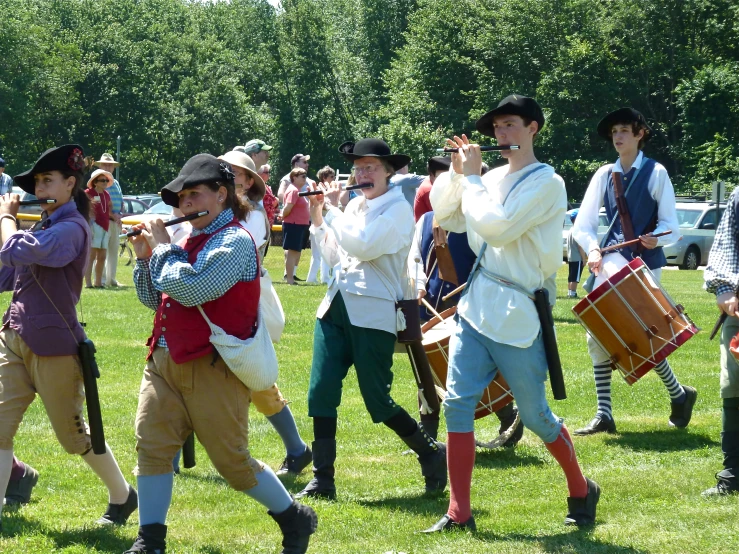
57, 255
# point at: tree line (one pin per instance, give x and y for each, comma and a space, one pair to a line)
178, 77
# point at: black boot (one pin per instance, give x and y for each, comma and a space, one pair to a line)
322, 485
297, 524
431, 426
431, 456
151, 540
728, 479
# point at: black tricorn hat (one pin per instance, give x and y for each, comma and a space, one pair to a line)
70, 157
201, 169
623, 115
373, 148
439, 163
515, 104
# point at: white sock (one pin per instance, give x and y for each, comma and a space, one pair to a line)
105, 467
6, 466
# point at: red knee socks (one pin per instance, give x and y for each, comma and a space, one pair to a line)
564, 452
460, 455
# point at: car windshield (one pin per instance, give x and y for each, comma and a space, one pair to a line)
160, 208
688, 218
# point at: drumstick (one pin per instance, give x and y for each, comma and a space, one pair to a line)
629, 243
430, 308
483, 148
459, 289
188, 217
719, 322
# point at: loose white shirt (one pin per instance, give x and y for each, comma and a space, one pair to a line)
256, 224
367, 245
524, 236
585, 229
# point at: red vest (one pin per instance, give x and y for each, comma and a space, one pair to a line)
186, 332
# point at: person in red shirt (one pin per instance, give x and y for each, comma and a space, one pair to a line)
99, 181
422, 204
295, 223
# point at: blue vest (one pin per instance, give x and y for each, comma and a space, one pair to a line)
462, 256
643, 210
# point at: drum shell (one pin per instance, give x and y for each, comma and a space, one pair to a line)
496, 396
634, 320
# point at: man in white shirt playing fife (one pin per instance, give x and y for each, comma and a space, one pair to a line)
651, 209
517, 211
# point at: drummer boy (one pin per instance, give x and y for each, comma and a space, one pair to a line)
651, 206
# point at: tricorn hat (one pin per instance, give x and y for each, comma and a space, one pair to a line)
373, 148
107, 159
439, 163
623, 115
201, 169
69, 157
515, 104
257, 191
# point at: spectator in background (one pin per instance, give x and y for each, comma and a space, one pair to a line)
295, 222
326, 176
575, 257
435, 167
408, 182
258, 150
297, 161
100, 224
107, 163
6, 181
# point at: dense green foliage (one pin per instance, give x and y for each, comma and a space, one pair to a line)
177, 77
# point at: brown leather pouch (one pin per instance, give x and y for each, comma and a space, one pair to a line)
447, 271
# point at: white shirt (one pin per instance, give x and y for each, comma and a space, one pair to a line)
368, 245
524, 237
256, 224
660, 188
417, 269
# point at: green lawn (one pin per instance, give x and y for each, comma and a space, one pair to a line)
651, 475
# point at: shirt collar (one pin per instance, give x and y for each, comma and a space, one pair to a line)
636, 165
223, 219
390, 195
62, 211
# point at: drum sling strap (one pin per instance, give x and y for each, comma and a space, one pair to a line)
540, 297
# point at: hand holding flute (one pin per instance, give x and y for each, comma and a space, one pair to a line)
350, 187
467, 160
145, 237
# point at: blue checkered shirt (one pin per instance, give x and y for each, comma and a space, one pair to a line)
227, 258
722, 272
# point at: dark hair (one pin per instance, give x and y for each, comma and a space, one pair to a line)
635, 128
240, 206
325, 172
84, 206
297, 172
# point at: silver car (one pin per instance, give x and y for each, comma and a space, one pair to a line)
698, 222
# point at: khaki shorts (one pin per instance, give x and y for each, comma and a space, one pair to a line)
177, 399
268, 402
56, 379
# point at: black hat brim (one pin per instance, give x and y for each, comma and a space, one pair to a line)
622, 115
397, 161
484, 125
53, 159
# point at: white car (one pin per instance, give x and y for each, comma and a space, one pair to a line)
698, 222
567, 228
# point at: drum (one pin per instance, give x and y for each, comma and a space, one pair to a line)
634, 320
436, 336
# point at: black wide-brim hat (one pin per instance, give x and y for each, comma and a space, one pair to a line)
70, 157
623, 115
201, 169
439, 163
373, 148
515, 104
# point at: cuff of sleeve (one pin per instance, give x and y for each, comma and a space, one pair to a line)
723, 288
315, 229
474, 180
332, 214
143, 263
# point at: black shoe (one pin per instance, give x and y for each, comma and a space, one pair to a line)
581, 511
295, 464
151, 540
295, 278
681, 413
322, 485
599, 424
446, 523
297, 524
431, 456
506, 423
118, 513
727, 484
19, 492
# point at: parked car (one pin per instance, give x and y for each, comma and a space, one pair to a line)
133, 206
157, 211
148, 199
567, 228
698, 222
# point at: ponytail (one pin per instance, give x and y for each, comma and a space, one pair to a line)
84, 206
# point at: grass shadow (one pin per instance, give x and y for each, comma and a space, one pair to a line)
673, 440
103, 538
504, 458
432, 505
577, 541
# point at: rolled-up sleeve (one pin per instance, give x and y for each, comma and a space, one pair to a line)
446, 200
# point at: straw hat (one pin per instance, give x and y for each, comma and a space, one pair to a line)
239, 159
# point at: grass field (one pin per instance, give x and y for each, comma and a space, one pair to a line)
651, 475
